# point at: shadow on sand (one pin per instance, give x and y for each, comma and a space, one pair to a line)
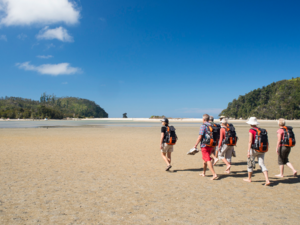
188, 170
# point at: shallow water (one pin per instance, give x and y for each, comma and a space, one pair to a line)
116, 123
81, 123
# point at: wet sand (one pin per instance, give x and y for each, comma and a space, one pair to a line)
115, 175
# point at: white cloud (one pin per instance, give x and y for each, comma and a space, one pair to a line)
50, 69
28, 12
64, 83
3, 37
59, 33
44, 56
22, 36
102, 19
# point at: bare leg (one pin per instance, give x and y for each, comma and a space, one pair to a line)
292, 168
227, 164
163, 155
217, 153
204, 169
267, 178
210, 166
215, 158
249, 177
169, 157
281, 168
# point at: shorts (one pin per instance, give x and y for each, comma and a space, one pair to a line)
226, 152
206, 152
167, 148
283, 156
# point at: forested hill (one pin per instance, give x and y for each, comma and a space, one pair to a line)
50, 107
277, 100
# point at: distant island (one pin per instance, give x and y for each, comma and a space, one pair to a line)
277, 100
50, 107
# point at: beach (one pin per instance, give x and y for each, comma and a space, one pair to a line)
115, 175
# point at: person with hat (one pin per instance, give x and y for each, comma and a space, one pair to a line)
253, 153
166, 150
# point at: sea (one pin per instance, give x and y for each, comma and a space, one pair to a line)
86, 123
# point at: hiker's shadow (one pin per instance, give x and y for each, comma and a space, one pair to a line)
186, 170
239, 163
287, 180
237, 174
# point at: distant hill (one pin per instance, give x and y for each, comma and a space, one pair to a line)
277, 100
50, 107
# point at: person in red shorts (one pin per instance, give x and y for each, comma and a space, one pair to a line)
206, 151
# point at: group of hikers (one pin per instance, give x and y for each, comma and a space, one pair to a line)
217, 142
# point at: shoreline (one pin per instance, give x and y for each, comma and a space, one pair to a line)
136, 120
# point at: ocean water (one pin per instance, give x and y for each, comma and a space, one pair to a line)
86, 123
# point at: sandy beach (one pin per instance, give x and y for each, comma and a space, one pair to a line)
115, 175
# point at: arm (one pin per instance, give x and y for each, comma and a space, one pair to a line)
249, 144
161, 140
222, 136
198, 141
278, 143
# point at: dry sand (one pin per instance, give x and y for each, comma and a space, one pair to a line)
115, 175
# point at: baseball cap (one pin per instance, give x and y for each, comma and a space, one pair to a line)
165, 120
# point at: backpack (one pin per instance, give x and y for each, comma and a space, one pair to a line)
171, 136
261, 143
288, 137
212, 136
230, 135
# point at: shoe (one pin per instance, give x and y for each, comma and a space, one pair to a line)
233, 154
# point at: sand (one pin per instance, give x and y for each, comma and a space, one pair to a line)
115, 175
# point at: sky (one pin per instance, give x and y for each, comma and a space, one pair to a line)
160, 57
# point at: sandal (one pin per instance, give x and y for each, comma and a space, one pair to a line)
169, 167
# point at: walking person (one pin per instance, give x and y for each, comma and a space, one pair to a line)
253, 153
224, 149
214, 153
206, 151
166, 147
282, 150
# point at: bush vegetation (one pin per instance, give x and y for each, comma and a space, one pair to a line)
277, 100
50, 107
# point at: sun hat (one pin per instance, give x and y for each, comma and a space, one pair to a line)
252, 121
165, 120
221, 117
224, 120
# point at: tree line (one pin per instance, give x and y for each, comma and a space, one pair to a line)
49, 106
278, 100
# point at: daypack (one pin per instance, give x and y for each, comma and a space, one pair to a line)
171, 136
230, 135
261, 143
288, 137
212, 136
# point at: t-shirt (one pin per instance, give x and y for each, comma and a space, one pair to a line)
203, 131
281, 132
164, 130
253, 132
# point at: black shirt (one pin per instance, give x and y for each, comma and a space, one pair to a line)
164, 130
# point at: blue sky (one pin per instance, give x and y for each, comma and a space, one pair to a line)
172, 58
